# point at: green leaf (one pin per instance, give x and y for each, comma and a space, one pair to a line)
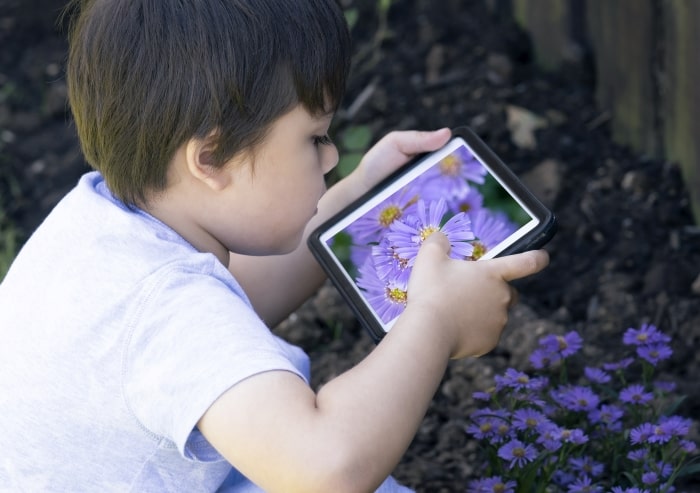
674, 406
351, 16
689, 470
347, 163
356, 138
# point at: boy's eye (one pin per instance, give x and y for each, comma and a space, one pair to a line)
322, 140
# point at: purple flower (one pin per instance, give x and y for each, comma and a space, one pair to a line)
655, 352
619, 489
386, 296
550, 436
493, 484
664, 469
370, 227
528, 419
576, 398
638, 455
596, 375
565, 345
650, 478
512, 379
470, 202
664, 386
409, 234
489, 424
573, 435
517, 453
490, 229
619, 365
647, 334
563, 478
483, 396
641, 433
587, 466
675, 425
451, 176
542, 358
635, 394
583, 485
688, 446
388, 263
608, 415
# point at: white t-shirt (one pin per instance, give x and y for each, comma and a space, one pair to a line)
116, 336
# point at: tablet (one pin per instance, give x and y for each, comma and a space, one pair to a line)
463, 189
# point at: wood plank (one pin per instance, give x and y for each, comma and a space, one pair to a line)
547, 23
621, 33
681, 94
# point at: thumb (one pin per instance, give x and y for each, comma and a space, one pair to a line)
521, 264
414, 142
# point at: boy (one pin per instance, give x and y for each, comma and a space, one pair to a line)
136, 354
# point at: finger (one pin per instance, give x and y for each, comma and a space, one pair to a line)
521, 264
435, 244
412, 142
514, 297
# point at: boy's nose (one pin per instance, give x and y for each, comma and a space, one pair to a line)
330, 158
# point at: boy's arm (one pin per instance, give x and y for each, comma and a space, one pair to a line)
352, 433
278, 285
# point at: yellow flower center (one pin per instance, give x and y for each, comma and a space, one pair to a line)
562, 343
450, 166
388, 215
479, 250
397, 295
465, 207
425, 232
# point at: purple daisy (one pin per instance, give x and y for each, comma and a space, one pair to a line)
587, 465
640, 434
653, 353
471, 201
490, 228
386, 296
635, 394
408, 235
608, 415
388, 263
565, 345
517, 453
451, 176
493, 484
576, 397
618, 365
370, 227
528, 419
596, 375
646, 334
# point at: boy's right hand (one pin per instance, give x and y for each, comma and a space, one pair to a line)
468, 300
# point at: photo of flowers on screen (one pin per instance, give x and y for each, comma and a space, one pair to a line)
456, 196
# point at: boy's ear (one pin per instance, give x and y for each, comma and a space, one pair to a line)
200, 164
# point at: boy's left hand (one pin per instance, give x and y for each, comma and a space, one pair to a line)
393, 151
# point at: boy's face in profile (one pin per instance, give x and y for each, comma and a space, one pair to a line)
275, 194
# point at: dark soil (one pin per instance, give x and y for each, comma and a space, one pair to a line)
627, 251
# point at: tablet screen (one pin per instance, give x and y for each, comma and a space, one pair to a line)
454, 191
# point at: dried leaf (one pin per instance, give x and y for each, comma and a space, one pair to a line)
522, 124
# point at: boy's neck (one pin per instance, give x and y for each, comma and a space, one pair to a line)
182, 205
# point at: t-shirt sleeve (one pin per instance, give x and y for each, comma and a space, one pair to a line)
191, 339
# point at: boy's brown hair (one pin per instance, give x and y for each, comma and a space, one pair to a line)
145, 76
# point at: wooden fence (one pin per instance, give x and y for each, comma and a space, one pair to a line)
647, 60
